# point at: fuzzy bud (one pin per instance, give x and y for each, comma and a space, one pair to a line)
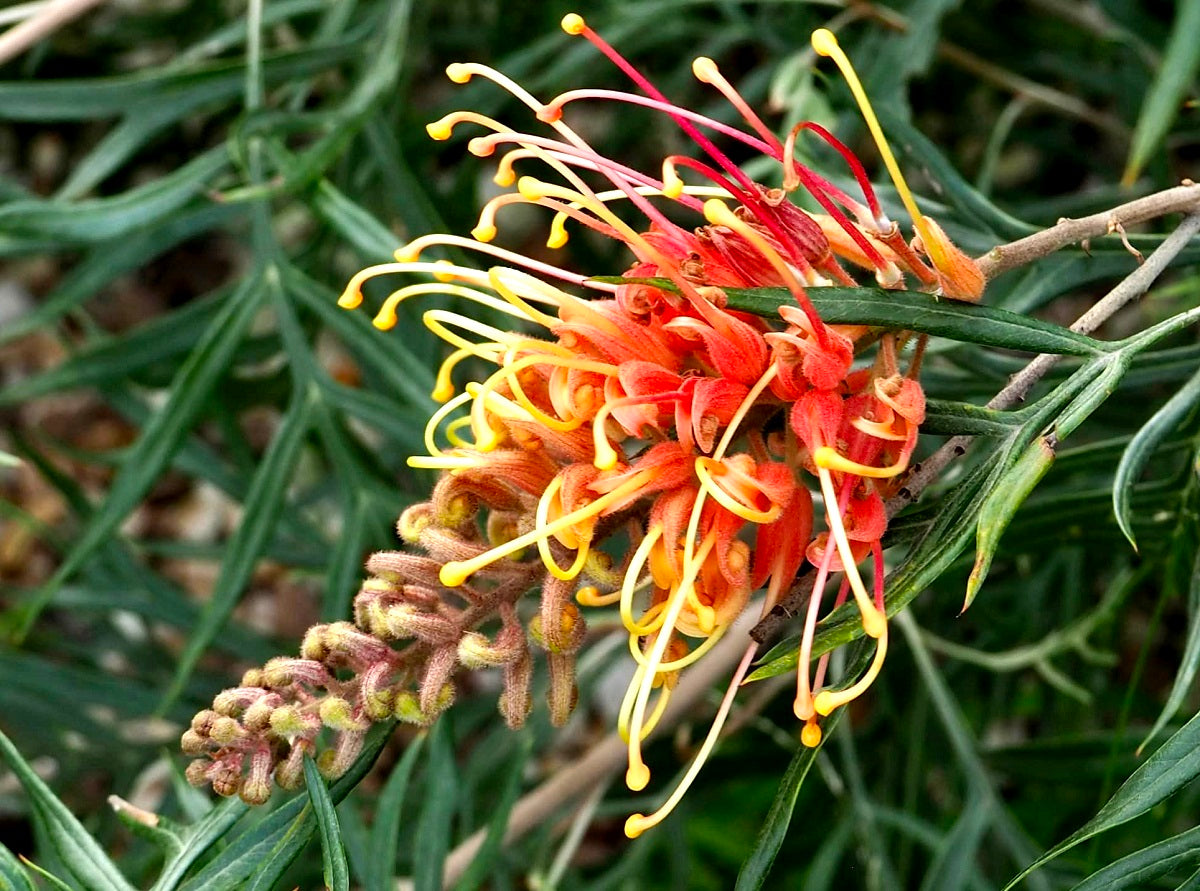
253, 678
413, 522
374, 691
562, 693
258, 716
475, 652
338, 714
256, 788
569, 634
231, 702
283, 671
408, 709
225, 731
196, 773
287, 721
202, 721
289, 773
226, 775
515, 701
192, 743
336, 761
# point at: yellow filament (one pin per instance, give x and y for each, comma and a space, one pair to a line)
589, 595
874, 621
810, 736
638, 774
831, 459
444, 462
606, 456
452, 432
437, 417
497, 276
443, 270
727, 501
629, 583
386, 319
828, 700
660, 705
443, 387
508, 372
543, 545
437, 320
683, 661
826, 44
456, 572
878, 430
639, 823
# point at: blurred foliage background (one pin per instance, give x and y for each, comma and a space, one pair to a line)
205, 448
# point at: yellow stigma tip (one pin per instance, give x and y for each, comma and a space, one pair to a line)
825, 703
824, 42
481, 148
810, 736
444, 277
458, 72
672, 186
442, 392
451, 575
635, 825
504, 177
483, 233
704, 69
874, 623
385, 321
439, 131
530, 188
715, 211
557, 238
350, 300
637, 776
573, 23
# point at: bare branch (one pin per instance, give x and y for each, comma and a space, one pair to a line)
1184, 198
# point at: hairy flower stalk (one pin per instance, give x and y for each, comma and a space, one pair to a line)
638, 447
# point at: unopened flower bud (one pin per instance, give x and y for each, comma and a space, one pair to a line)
287, 720
413, 522
570, 634
515, 701
338, 714
407, 708
315, 645
253, 678
256, 787
283, 670
562, 693
226, 730
289, 773
475, 651
192, 743
226, 775
196, 773
338, 760
202, 721
258, 716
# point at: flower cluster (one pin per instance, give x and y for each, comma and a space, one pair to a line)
649, 449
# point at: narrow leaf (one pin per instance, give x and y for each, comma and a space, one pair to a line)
756, 867
71, 843
264, 502
481, 866
1142, 447
385, 834
13, 876
1161, 105
1168, 770
1190, 663
198, 839
161, 437
433, 825
1139, 869
333, 853
916, 311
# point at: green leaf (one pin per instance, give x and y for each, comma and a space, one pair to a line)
333, 853
263, 505
433, 825
1139, 869
481, 866
13, 876
916, 311
770, 838
954, 857
1188, 665
1143, 445
104, 219
1004, 501
259, 856
1175, 764
198, 839
160, 438
1162, 103
385, 833
71, 843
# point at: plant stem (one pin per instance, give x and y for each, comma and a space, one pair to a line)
1183, 198
42, 23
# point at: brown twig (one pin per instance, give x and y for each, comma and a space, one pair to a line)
921, 475
44, 22
1181, 199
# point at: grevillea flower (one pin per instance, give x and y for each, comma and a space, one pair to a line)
649, 448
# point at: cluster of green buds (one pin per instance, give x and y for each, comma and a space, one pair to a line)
397, 661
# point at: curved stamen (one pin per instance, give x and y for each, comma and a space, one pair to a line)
727, 501
878, 217
826, 44
828, 700
803, 706
639, 823
411, 251
629, 583
386, 318
683, 661
707, 72
456, 572
540, 520
830, 459
874, 620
